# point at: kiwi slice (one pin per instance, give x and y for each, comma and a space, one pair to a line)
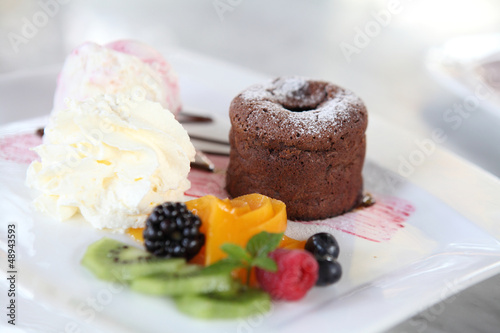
227, 305
184, 282
111, 260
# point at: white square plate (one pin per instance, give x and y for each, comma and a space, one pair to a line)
431, 234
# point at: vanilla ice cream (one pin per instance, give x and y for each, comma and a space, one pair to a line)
112, 158
123, 66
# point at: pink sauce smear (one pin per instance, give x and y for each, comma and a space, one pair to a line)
204, 182
377, 223
16, 148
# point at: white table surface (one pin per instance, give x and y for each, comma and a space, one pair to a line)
302, 38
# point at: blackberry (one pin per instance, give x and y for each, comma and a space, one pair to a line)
173, 231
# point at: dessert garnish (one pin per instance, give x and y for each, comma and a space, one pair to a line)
112, 260
209, 292
173, 231
296, 274
325, 249
228, 305
229, 285
254, 255
321, 244
235, 221
188, 281
330, 270
292, 244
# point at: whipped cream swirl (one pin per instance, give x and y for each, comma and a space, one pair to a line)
112, 158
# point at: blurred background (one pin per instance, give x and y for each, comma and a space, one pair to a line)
383, 50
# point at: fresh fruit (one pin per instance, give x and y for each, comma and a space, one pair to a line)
236, 221
291, 244
238, 304
196, 282
322, 244
110, 259
232, 221
297, 273
326, 250
203, 292
173, 231
329, 272
137, 234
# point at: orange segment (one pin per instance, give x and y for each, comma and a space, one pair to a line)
236, 221
277, 222
239, 207
136, 234
204, 207
251, 208
292, 244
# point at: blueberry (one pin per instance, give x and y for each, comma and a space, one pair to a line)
323, 244
329, 271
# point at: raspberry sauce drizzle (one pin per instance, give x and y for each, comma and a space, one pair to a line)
17, 148
377, 223
205, 182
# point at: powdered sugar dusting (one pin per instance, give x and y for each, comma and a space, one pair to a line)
276, 89
316, 122
289, 87
332, 113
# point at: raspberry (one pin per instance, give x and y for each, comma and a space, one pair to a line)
297, 273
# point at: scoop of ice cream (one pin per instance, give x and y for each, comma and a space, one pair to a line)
124, 66
111, 158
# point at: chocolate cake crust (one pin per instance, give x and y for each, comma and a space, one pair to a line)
299, 141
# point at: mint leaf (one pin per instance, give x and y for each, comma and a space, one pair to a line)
236, 252
263, 243
265, 263
226, 265
255, 255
